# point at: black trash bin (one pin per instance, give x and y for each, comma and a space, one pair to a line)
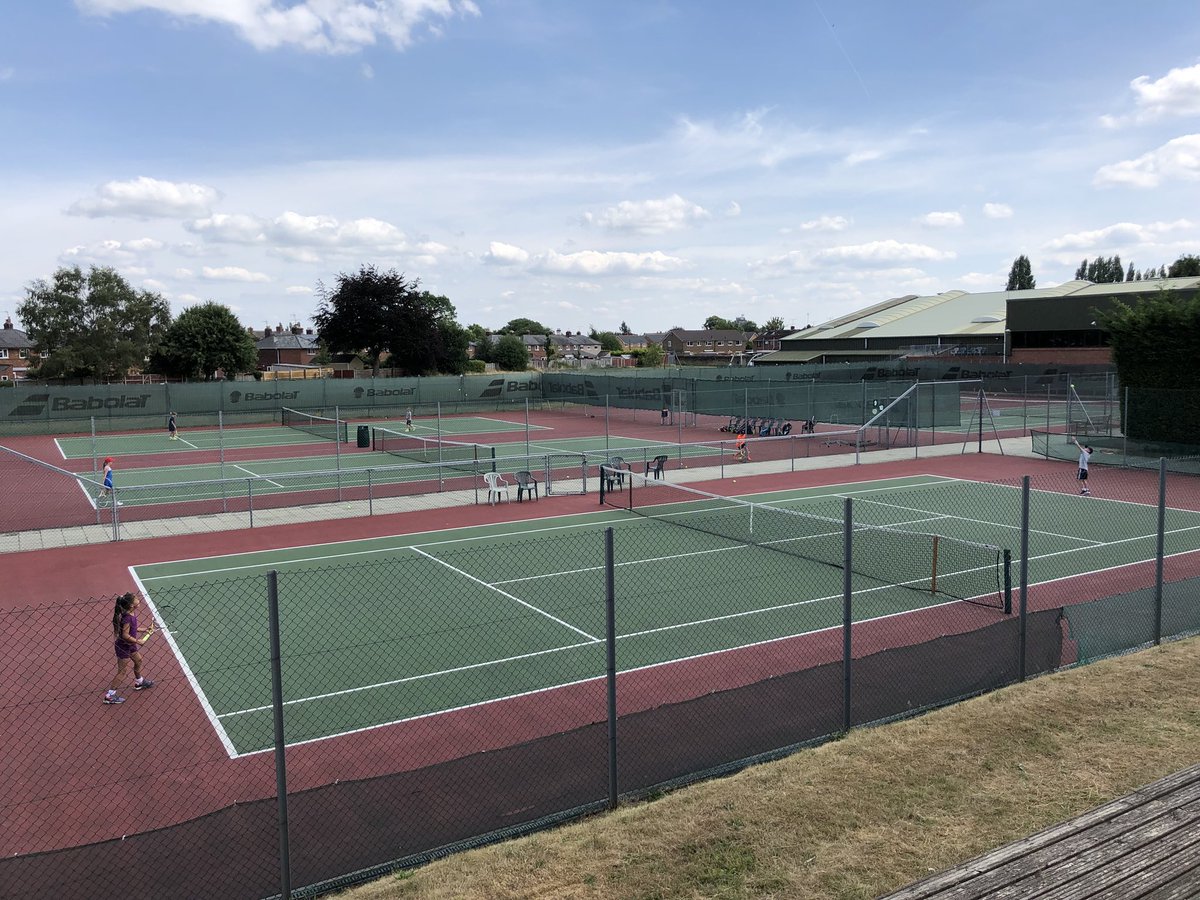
364, 436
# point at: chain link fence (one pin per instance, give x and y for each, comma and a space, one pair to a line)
315, 725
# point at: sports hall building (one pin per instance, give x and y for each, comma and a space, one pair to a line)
1055, 325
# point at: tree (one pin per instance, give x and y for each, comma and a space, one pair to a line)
1154, 338
1020, 276
93, 326
371, 313
1185, 267
741, 323
775, 323
510, 354
202, 340
651, 357
524, 326
609, 341
625, 328
1101, 270
716, 323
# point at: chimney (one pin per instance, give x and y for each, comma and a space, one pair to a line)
297, 328
7, 323
278, 328
308, 331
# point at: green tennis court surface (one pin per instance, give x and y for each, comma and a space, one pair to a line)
123, 445
191, 482
392, 629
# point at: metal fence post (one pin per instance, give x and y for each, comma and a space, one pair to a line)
1024, 573
1161, 549
847, 593
285, 868
610, 634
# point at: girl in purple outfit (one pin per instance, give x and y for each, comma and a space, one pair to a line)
127, 646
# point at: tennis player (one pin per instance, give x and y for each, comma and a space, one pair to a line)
173, 427
743, 449
106, 492
1085, 453
408, 425
127, 645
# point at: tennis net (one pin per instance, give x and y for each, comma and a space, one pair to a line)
321, 426
432, 449
929, 563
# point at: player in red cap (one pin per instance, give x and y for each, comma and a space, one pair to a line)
106, 492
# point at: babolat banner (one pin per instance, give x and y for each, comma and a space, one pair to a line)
37, 409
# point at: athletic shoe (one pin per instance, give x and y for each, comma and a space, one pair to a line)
1086, 491
113, 699
120, 503
145, 683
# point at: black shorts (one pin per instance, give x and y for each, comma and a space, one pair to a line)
1083, 474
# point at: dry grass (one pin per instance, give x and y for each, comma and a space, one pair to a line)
870, 813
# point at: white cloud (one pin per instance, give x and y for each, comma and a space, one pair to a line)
110, 252
862, 156
733, 210
997, 210
295, 231
153, 284
826, 223
942, 220
1122, 233
232, 273
649, 216
500, 254
298, 290
147, 198
1175, 94
977, 281
1177, 158
367, 71
322, 26
876, 253
596, 262
183, 273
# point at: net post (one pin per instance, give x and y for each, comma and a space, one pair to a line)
281, 796
1007, 572
603, 484
933, 576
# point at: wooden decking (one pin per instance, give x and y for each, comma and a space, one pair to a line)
1144, 846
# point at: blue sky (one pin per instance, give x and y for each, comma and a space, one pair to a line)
592, 163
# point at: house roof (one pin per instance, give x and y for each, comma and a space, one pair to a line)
708, 334
287, 341
14, 338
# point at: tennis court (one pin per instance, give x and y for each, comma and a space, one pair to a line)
158, 485
391, 629
247, 437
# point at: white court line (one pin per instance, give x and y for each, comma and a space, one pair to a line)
530, 606
189, 443
187, 669
712, 653
679, 660
256, 475
408, 679
1069, 537
597, 519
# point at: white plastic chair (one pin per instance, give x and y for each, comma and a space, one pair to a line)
497, 487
